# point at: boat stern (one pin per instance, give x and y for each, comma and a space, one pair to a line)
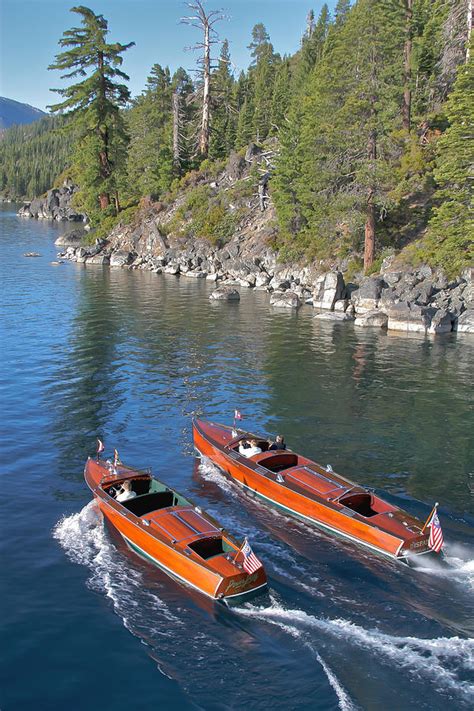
240, 588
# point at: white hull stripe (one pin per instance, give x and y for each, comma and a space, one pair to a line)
173, 574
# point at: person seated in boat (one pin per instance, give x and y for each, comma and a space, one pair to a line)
249, 448
278, 444
125, 492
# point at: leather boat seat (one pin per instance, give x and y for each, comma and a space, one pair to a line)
142, 505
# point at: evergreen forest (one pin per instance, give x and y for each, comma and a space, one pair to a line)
368, 128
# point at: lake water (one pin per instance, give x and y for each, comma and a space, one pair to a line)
130, 357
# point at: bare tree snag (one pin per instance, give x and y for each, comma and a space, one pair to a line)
470, 4
205, 23
176, 129
407, 50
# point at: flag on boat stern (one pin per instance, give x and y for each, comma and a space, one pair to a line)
250, 563
436, 534
100, 447
237, 415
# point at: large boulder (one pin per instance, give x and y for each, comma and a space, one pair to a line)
465, 322
72, 238
403, 316
441, 322
367, 296
98, 259
285, 300
225, 293
121, 259
262, 280
328, 289
375, 319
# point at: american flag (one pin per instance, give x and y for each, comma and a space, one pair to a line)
250, 563
100, 446
116, 458
436, 534
237, 415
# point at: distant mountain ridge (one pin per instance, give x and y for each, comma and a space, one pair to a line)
14, 112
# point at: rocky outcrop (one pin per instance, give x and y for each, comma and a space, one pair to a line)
72, 238
55, 205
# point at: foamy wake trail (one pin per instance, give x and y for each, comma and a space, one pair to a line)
444, 660
459, 569
211, 473
84, 540
344, 700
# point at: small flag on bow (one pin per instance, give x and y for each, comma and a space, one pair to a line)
117, 460
237, 415
250, 562
436, 534
100, 448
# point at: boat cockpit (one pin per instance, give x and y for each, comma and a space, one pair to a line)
151, 495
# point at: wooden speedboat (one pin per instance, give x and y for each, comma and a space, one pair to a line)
166, 529
315, 493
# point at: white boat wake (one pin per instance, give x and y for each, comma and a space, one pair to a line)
84, 540
459, 568
444, 660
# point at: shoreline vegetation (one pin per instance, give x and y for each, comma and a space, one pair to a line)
344, 157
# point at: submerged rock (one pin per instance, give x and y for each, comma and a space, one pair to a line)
333, 316
225, 293
285, 300
375, 319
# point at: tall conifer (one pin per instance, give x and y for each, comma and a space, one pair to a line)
94, 103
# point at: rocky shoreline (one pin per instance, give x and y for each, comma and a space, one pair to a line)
55, 205
421, 300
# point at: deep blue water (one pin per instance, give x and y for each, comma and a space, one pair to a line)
130, 357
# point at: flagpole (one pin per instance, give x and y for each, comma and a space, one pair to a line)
430, 517
240, 549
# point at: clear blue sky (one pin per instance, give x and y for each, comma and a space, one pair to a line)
30, 30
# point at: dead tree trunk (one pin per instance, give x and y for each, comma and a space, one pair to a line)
205, 23
470, 3
176, 130
206, 94
407, 50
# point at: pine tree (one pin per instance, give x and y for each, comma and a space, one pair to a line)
150, 156
345, 141
259, 43
94, 104
450, 238
341, 11
281, 96
224, 113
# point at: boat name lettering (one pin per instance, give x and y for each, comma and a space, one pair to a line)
239, 584
418, 544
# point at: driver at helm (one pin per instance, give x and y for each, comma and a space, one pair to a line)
125, 492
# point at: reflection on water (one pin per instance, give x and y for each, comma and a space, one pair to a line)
130, 357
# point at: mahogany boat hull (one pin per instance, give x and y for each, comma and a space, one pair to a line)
219, 578
390, 532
